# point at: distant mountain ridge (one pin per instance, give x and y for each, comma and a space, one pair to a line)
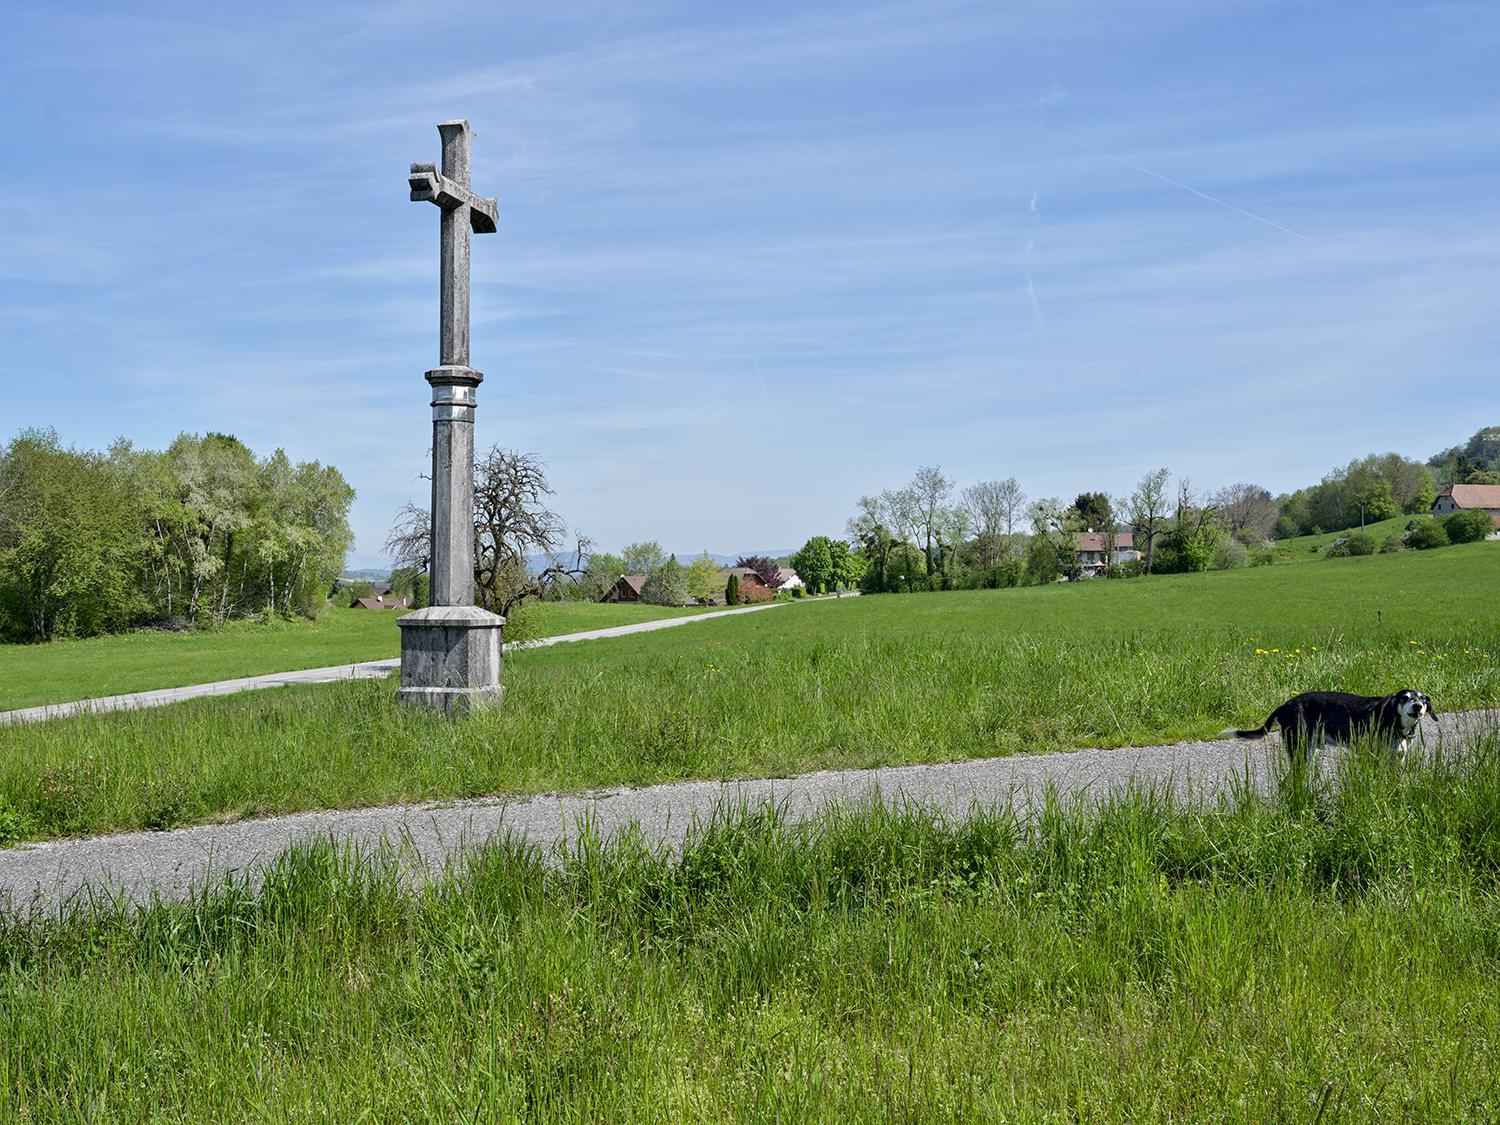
368, 574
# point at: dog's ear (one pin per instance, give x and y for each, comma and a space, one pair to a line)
1431, 710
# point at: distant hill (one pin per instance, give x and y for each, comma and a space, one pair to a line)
369, 574
686, 558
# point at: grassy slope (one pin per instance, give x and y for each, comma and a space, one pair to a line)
856, 682
141, 661
1262, 961
1307, 548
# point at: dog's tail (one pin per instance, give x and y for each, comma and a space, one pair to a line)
1259, 732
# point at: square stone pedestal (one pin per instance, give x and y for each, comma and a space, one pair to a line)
450, 657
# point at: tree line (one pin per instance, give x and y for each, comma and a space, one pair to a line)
1380, 486
930, 534
92, 542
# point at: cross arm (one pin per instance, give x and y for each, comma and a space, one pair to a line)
431, 186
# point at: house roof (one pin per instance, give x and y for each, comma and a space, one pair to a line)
1474, 495
381, 603
745, 573
784, 575
1094, 541
634, 581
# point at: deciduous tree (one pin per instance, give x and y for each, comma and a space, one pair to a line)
1147, 507
929, 491
814, 563
666, 585
704, 579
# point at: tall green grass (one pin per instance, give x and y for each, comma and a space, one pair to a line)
751, 712
873, 681
1330, 957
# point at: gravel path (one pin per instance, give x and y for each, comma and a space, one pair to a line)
140, 865
368, 670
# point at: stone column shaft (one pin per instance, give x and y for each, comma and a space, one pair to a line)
453, 484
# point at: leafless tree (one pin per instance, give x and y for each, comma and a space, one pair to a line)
513, 530
409, 543
1147, 506
1248, 510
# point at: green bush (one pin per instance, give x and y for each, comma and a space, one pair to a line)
1468, 526
1130, 568
732, 590
1011, 572
1360, 543
1041, 561
1228, 554
12, 828
522, 622
1392, 545
1427, 534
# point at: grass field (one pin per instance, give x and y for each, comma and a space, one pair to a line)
31, 675
848, 683
1332, 958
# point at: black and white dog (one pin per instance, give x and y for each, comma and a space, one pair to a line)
1316, 718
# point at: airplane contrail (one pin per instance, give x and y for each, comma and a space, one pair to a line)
1031, 245
1185, 187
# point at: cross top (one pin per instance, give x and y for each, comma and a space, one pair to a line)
461, 210
449, 189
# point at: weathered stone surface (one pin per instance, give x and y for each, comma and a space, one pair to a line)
451, 652
453, 402
451, 656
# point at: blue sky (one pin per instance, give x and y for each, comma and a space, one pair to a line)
756, 260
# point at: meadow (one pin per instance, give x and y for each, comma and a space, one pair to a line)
1309, 548
1328, 956
831, 683
64, 670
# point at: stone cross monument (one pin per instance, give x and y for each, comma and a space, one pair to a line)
451, 651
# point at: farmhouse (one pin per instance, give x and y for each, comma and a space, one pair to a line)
381, 601
1469, 497
753, 587
627, 588
1091, 544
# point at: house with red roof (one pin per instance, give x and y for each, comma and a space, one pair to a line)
1091, 546
1469, 497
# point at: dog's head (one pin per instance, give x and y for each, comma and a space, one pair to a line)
1411, 706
